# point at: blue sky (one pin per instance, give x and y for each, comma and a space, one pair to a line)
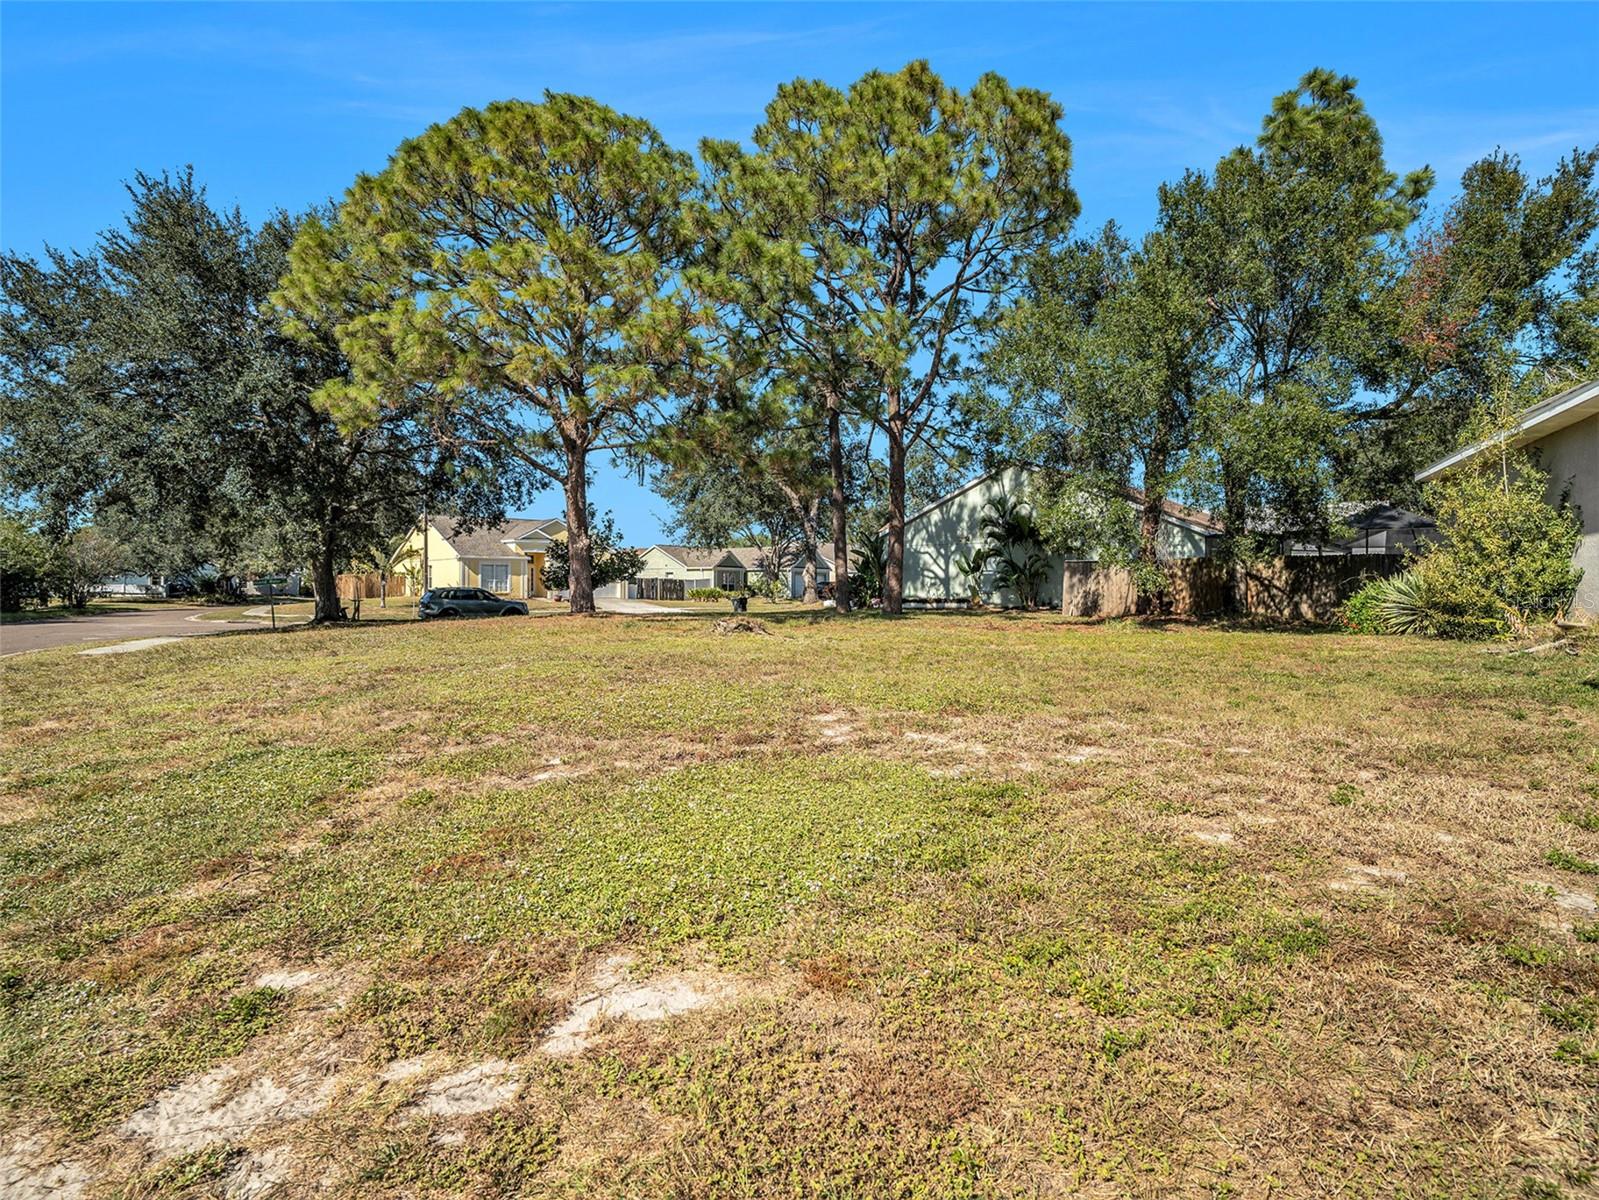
279, 105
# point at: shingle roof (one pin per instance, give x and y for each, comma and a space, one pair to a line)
751, 558
698, 558
487, 541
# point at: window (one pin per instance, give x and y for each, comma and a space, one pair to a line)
496, 577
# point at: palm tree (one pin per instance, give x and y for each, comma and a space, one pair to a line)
871, 568
1015, 545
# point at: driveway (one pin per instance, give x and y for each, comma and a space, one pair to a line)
42, 635
634, 608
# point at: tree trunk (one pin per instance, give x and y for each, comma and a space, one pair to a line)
835, 462
427, 575
808, 545
326, 583
1235, 510
894, 556
1149, 548
580, 550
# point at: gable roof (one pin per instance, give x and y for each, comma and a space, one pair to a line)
747, 558
1196, 518
490, 541
699, 558
1570, 406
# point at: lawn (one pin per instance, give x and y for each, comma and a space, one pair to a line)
953, 905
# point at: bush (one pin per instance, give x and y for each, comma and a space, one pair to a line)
767, 589
1431, 599
1505, 558
710, 593
25, 566
1359, 612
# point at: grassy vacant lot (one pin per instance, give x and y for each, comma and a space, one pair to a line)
956, 906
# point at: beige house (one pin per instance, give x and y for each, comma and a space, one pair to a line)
507, 559
670, 572
1563, 433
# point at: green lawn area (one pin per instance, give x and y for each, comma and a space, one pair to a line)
950, 905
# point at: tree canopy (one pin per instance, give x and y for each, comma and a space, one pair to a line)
148, 386
900, 206
520, 266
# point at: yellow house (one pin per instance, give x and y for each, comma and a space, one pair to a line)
507, 559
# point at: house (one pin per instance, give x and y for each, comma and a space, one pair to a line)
1563, 432
129, 584
1376, 528
754, 561
156, 586
671, 572
951, 528
505, 559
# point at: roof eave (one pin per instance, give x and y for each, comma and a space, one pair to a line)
1558, 412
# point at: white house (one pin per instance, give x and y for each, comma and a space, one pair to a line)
1563, 432
951, 528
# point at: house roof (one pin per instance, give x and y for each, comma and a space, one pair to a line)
490, 541
748, 558
1375, 524
1570, 406
1195, 517
699, 558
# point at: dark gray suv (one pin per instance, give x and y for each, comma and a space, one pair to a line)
467, 602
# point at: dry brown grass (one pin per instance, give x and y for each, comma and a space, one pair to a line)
996, 907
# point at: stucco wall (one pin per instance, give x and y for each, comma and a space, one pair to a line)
443, 564
955, 528
1571, 456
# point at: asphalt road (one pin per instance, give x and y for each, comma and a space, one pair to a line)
42, 635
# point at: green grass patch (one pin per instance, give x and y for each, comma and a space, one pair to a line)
1570, 862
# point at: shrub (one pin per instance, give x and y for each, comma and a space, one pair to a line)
1430, 598
1403, 604
24, 566
1505, 557
1359, 612
710, 593
766, 588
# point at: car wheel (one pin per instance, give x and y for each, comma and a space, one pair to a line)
449, 612
511, 612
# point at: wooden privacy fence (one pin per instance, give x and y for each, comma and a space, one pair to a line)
369, 586
1282, 589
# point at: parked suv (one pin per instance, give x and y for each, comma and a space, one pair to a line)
467, 602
